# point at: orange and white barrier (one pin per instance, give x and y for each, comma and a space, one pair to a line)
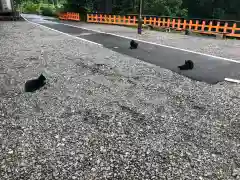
69, 16
203, 27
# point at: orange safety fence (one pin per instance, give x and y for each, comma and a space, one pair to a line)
112, 19
69, 16
199, 26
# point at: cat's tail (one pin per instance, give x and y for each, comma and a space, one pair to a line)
180, 67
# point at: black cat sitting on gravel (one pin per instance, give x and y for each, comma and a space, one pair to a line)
35, 84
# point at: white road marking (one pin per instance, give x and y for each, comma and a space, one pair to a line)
232, 80
63, 33
86, 34
171, 47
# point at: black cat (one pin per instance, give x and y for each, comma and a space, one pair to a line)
35, 84
187, 66
133, 44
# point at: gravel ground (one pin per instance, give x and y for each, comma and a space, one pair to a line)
223, 48
103, 115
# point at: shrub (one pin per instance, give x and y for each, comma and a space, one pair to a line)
48, 11
30, 7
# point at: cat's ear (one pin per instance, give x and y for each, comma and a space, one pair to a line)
42, 77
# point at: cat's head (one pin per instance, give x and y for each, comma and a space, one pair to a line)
188, 61
42, 78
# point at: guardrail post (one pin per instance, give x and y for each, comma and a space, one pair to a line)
124, 19
203, 25
190, 25
88, 18
218, 26
109, 19
119, 19
210, 26
105, 18
179, 24
184, 24
159, 22
150, 20
233, 28
168, 23
164, 22
196, 26
114, 19
154, 21
129, 20
145, 20
225, 27
94, 18
173, 23
134, 20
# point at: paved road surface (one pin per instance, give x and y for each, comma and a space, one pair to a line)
209, 69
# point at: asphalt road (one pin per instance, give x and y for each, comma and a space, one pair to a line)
208, 69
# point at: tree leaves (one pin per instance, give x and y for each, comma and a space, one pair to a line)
217, 9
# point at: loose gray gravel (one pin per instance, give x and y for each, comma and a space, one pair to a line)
103, 115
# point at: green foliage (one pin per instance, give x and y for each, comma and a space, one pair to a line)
78, 8
164, 8
217, 9
30, 7
122, 7
218, 13
48, 11
38, 7
213, 9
